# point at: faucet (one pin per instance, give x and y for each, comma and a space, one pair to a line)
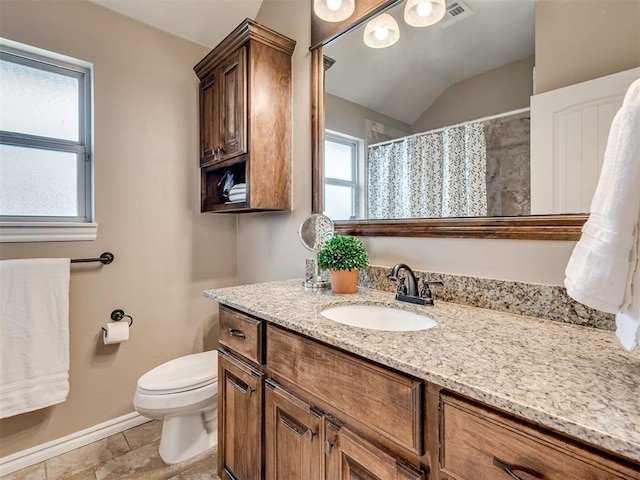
409, 293
412, 288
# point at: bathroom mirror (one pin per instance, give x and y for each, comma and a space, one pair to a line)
332, 47
314, 232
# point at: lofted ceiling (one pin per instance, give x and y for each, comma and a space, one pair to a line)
206, 22
403, 80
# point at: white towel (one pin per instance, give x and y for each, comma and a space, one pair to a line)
603, 270
34, 334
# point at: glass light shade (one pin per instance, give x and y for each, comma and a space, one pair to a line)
333, 10
381, 32
422, 13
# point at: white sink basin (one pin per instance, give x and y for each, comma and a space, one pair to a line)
379, 318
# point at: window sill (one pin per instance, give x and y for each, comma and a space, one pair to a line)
15, 232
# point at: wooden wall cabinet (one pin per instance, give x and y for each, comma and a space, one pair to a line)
245, 120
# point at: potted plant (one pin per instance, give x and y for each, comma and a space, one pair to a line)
343, 255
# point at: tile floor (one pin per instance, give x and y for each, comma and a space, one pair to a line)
132, 454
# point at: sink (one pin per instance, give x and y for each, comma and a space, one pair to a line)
376, 317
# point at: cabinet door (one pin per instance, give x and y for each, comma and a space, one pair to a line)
239, 419
351, 457
209, 119
293, 444
233, 105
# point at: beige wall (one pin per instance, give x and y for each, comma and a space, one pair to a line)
500, 90
599, 37
147, 207
348, 117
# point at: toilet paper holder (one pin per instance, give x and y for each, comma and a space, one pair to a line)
118, 315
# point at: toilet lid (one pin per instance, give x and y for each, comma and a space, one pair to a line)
181, 374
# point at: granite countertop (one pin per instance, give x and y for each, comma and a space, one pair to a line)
572, 379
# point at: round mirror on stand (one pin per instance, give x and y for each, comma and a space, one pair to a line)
314, 233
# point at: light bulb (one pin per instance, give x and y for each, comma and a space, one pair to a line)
424, 9
334, 5
381, 33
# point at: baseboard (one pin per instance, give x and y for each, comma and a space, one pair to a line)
45, 451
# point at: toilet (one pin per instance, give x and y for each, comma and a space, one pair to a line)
183, 393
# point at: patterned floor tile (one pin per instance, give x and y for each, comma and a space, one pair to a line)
83, 458
143, 434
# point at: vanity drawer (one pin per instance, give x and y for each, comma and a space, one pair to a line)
241, 333
477, 442
388, 402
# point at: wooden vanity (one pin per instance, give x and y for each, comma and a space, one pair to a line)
291, 406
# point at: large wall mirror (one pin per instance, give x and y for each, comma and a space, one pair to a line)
456, 94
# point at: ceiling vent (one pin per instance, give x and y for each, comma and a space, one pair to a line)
457, 11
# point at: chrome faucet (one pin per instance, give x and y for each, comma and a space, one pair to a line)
409, 293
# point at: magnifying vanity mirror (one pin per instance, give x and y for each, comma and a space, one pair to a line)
314, 232
466, 80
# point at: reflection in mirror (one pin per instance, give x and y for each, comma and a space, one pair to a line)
436, 125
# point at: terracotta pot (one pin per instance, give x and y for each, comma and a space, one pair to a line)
344, 281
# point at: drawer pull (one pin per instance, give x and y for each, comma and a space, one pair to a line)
235, 333
244, 388
509, 469
291, 426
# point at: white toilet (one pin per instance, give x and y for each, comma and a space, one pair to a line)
184, 393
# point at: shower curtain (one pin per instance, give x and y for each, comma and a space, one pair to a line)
428, 175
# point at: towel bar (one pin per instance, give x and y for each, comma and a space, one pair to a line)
106, 258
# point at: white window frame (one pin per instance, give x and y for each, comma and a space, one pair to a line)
48, 228
356, 170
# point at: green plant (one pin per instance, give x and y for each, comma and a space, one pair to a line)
343, 252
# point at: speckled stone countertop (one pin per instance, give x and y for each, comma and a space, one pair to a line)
572, 379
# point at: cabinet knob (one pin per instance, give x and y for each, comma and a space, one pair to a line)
328, 446
310, 435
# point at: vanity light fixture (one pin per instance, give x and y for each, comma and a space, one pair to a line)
381, 32
333, 10
422, 13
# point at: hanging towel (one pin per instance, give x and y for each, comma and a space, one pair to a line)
34, 334
603, 269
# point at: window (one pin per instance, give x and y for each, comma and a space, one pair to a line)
341, 193
46, 174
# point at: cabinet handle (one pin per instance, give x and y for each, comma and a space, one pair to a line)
310, 435
246, 389
328, 446
290, 426
509, 469
235, 333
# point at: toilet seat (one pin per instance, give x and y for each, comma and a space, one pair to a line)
181, 374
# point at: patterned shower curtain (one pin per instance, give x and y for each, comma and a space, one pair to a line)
427, 175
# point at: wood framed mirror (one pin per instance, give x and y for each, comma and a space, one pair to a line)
537, 227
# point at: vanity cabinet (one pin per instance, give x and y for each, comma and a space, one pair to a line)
479, 442
293, 407
245, 120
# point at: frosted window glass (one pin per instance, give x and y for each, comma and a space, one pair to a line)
338, 161
37, 182
39, 102
338, 202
